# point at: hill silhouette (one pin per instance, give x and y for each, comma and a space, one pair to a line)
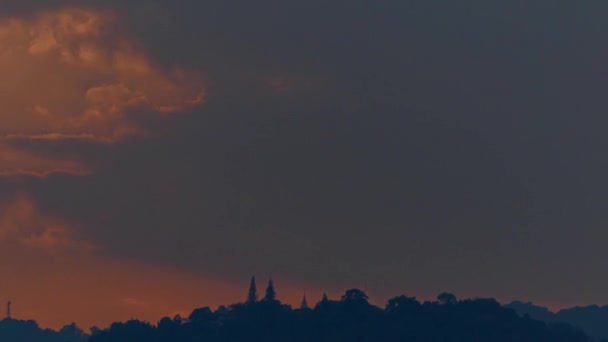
349, 318
593, 319
13, 330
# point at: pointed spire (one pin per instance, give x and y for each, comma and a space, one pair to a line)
304, 305
8, 309
323, 304
270, 292
252, 296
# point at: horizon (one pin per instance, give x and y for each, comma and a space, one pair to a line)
351, 317
313, 296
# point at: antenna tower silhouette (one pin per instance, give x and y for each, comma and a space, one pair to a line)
8, 309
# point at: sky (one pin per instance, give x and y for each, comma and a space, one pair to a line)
154, 155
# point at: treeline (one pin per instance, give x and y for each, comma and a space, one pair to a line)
351, 318
13, 330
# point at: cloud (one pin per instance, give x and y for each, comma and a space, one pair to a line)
279, 83
22, 222
19, 162
73, 74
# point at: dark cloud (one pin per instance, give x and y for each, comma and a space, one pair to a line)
409, 145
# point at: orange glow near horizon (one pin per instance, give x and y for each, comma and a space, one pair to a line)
73, 74
53, 275
97, 291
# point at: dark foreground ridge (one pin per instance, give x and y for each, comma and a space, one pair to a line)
593, 319
351, 318
13, 330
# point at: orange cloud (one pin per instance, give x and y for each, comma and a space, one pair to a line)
17, 162
74, 74
22, 222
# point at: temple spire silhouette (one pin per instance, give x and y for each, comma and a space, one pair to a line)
304, 304
270, 292
324, 299
252, 296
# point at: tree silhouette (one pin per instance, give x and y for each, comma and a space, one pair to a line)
252, 296
71, 329
402, 304
201, 314
355, 296
353, 318
446, 298
270, 292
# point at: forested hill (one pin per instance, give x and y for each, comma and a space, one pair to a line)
13, 330
593, 319
349, 318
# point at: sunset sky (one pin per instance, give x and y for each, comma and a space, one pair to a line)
154, 155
